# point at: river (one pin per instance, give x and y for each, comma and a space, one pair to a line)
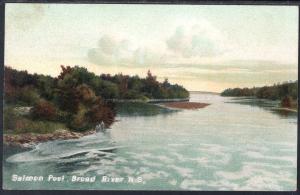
232, 144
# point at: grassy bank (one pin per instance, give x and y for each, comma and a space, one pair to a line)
16, 122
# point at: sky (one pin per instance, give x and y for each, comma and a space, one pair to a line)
202, 47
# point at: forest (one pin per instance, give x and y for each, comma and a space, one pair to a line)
76, 98
286, 92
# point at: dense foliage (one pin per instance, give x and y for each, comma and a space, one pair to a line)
79, 98
144, 88
286, 92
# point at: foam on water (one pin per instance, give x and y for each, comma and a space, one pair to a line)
86, 147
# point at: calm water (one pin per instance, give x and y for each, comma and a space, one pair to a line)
233, 144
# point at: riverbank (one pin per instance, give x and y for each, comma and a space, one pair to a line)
286, 109
27, 140
185, 105
30, 139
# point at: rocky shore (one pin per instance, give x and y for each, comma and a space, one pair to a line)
26, 140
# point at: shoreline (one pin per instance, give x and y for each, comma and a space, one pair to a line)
286, 109
29, 140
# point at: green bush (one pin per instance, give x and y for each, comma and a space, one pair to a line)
10, 118
78, 121
25, 96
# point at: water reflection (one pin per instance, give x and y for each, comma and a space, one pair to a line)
141, 109
269, 105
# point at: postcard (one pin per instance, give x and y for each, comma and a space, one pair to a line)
150, 97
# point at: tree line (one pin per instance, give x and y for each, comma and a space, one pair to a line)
286, 92
78, 97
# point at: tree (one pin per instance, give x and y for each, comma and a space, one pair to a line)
65, 70
100, 112
44, 110
108, 90
85, 94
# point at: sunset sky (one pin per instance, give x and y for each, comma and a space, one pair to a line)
203, 48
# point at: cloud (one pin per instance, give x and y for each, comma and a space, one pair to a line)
146, 56
118, 51
200, 39
110, 50
24, 17
228, 74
